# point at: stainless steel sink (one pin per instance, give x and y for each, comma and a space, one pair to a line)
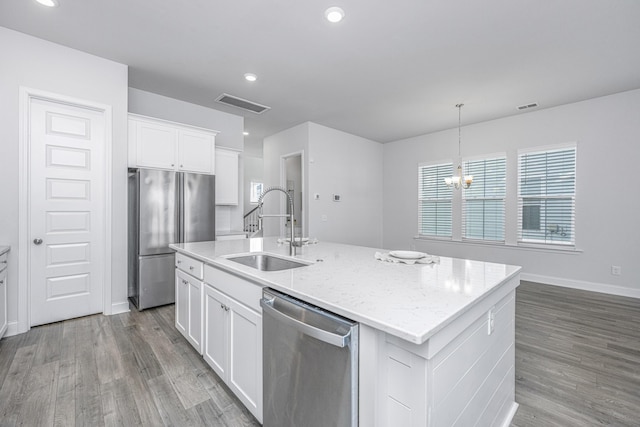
266, 262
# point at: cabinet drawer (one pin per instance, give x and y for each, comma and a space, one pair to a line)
242, 290
190, 265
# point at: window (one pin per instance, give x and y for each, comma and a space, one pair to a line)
483, 202
434, 200
256, 191
546, 196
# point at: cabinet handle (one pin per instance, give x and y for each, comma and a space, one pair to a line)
181, 166
191, 267
184, 282
226, 308
37, 241
172, 165
179, 262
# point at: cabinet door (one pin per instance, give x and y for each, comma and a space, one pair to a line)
245, 356
215, 342
195, 314
182, 304
196, 151
226, 177
155, 145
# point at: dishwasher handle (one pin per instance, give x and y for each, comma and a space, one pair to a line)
328, 337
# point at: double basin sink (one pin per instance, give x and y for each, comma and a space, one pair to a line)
266, 262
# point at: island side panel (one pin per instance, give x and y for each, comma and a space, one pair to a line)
468, 379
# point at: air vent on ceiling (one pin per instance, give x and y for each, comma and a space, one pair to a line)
234, 101
527, 106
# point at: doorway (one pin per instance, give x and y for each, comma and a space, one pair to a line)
292, 179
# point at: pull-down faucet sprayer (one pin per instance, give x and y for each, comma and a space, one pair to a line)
292, 247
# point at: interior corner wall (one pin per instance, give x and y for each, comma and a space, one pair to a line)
349, 166
41, 65
606, 131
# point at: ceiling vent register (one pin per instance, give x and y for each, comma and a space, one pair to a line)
527, 106
243, 104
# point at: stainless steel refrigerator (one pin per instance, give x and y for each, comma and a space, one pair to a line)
164, 207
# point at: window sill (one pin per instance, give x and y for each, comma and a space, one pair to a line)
520, 246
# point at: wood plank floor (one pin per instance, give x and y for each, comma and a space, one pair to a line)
577, 358
124, 370
577, 364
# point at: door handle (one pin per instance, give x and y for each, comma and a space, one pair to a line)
37, 241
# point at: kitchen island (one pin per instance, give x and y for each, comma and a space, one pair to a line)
436, 340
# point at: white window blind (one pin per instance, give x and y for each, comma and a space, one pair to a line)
546, 196
434, 200
483, 202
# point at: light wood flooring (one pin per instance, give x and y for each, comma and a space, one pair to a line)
577, 358
124, 370
577, 364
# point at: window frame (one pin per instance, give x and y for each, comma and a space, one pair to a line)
521, 240
437, 200
503, 198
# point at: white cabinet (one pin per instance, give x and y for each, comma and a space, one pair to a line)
227, 177
166, 145
3, 294
189, 290
232, 343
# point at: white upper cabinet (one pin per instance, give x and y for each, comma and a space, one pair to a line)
160, 144
226, 177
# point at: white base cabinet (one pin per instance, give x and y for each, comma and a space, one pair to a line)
189, 300
232, 343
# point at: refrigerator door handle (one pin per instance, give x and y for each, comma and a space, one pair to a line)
180, 204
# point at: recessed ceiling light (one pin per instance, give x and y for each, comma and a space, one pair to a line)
250, 77
334, 14
245, 133
48, 3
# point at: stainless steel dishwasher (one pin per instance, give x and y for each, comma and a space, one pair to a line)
310, 364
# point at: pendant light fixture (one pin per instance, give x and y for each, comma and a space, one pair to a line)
459, 180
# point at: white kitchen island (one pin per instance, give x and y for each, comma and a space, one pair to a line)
436, 340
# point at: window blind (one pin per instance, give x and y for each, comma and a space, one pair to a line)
434, 200
483, 202
546, 196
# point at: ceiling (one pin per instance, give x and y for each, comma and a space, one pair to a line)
388, 71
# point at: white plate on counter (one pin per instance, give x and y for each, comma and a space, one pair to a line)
407, 254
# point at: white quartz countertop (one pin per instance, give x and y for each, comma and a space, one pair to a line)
412, 302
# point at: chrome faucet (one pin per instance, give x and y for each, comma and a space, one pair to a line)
292, 247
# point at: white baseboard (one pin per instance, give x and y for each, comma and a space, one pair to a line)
581, 284
120, 307
12, 329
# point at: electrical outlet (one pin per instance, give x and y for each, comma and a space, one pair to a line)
491, 320
616, 270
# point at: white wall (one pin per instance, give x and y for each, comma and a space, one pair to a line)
38, 64
230, 127
351, 166
607, 131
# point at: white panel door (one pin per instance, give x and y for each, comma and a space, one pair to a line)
67, 204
